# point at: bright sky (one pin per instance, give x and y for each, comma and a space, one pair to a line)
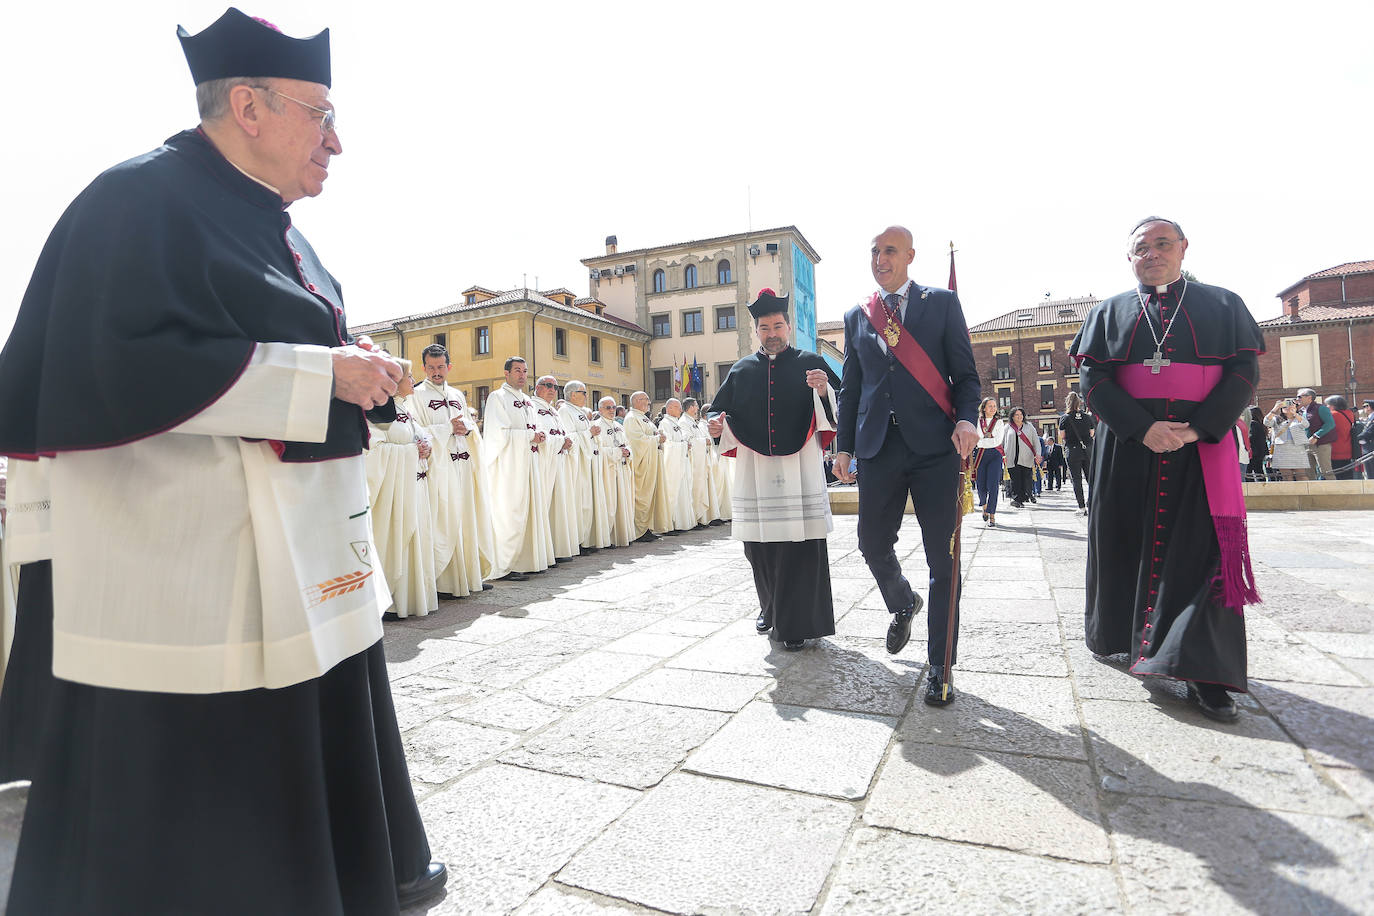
483, 142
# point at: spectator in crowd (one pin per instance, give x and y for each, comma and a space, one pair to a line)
1241, 434
1343, 445
1076, 426
1289, 460
1364, 434
1259, 445
1054, 461
1321, 430
1021, 446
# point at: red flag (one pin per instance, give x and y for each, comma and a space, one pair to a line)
952, 285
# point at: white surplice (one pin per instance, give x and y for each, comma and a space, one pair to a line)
782, 497
401, 526
594, 522
196, 561
652, 512
723, 480
619, 481
557, 459
456, 487
520, 520
677, 471
702, 458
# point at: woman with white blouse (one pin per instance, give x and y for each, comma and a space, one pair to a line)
991, 428
1289, 431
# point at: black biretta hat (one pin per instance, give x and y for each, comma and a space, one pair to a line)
239, 45
768, 303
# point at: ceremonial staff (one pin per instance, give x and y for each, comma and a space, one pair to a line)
963, 499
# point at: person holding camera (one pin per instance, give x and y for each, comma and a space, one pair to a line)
1289, 431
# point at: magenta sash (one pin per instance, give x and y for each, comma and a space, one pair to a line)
1220, 473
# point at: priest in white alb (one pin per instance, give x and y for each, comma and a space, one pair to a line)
653, 517
556, 459
455, 482
618, 475
397, 461
510, 454
702, 457
677, 466
584, 428
774, 413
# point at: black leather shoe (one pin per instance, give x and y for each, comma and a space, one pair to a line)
427, 885
516, 576
794, 645
1214, 702
763, 624
646, 537
487, 586
899, 631
938, 693
717, 522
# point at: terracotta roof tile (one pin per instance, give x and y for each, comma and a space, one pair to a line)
1321, 313
1350, 267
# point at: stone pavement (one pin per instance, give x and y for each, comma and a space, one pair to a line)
612, 737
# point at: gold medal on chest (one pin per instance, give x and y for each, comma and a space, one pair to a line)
893, 332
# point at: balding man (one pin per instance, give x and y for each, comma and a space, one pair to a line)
653, 517
220, 736
907, 404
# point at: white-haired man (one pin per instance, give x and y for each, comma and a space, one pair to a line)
677, 466
653, 517
619, 475
220, 731
556, 457
586, 462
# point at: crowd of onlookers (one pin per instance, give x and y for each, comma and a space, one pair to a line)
1307, 438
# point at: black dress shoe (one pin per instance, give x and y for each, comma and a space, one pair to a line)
1214, 702
938, 693
899, 631
487, 586
794, 645
717, 521
763, 624
447, 596
646, 537
427, 885
516, 576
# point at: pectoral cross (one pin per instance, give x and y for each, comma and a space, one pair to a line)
779, 480
1156, 361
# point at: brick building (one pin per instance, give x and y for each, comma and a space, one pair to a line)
1023, 357
1325, 337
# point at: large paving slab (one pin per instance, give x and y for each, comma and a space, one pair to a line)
793, 747
696, 845
883, 873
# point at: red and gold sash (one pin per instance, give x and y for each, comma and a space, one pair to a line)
911, 355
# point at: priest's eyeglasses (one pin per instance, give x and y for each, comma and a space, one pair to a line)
1160, 245
327, 121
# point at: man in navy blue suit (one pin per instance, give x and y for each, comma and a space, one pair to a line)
905, 441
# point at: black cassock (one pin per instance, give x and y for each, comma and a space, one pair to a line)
771, 412
293, 800
1153, 553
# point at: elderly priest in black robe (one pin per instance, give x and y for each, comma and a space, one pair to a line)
775, 413
218, 734
1167, 367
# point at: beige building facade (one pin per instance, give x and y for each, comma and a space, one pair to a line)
556, 332
693, 297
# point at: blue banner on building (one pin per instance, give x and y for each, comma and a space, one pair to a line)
803, 299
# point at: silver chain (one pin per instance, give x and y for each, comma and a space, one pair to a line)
1145, 310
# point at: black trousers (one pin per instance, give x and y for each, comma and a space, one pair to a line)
1055, 476
1021, 482
885, 481
1078, 472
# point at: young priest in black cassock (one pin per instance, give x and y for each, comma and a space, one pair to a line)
212, 741
775, 413
1167, 368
